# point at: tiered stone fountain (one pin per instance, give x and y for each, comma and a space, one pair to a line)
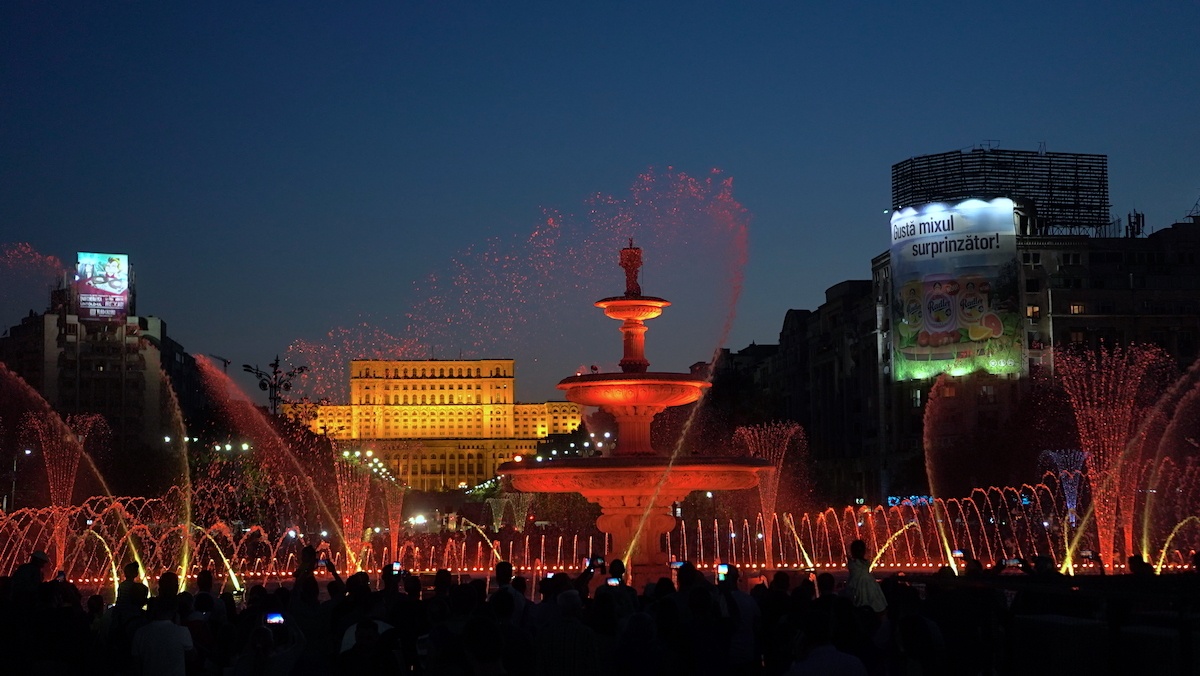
634, 484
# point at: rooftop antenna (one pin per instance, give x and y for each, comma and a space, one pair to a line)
224, 362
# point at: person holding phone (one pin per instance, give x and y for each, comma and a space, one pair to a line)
623, 596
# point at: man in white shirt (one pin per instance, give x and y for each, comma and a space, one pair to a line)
161, 647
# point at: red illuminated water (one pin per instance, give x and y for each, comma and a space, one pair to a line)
772, 442
1113, 392
524, 294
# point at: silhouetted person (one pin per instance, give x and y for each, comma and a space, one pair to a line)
369, 655
130, 587
568, 646
27, 578
1139, 567
624, 598
818, 656
825, 584
504, 575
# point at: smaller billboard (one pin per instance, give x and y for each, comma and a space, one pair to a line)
954, 290
102, 286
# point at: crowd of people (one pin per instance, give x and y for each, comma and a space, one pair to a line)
589, 623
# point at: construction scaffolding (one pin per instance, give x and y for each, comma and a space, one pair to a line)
1068, 192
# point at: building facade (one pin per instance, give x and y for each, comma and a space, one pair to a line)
1077, 291
114, 368
442, 424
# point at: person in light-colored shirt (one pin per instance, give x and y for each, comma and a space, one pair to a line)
161, 647
861, 586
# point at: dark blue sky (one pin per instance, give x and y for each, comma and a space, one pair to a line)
275, 171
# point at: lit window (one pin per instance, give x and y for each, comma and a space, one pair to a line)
1076, 308
1033, 312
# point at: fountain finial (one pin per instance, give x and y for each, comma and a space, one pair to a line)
631, 260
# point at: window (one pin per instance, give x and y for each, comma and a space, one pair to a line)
1076, 309
1076, 337
1072, 259
1033, 312
1031, 258
987, 394
916, 398
1033, 285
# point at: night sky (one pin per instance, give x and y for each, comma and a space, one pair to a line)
278, 172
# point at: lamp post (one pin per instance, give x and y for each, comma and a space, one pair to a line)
274, 381
13, 493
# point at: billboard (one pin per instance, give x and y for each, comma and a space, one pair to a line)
102, 286
955, 294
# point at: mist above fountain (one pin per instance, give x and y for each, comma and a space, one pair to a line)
634, 484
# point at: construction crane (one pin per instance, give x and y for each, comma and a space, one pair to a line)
224, 362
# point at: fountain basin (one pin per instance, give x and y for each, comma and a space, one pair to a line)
635, 495
632, 308
634, 389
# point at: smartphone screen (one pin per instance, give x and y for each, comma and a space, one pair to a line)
274, 618
396, 567
677, 564
614, 582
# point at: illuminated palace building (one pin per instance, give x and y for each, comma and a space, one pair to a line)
442, 424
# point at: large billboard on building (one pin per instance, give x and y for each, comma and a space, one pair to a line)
955, 290
102, 286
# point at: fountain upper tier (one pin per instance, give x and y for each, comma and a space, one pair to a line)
633, 399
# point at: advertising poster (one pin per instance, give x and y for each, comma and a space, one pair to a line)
955, 290
102, 286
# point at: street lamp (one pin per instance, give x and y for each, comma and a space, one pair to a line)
274, 381
13, 493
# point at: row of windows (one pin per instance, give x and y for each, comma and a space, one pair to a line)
431, 387
431, 373
1034, 312
1113, 257
396, 399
